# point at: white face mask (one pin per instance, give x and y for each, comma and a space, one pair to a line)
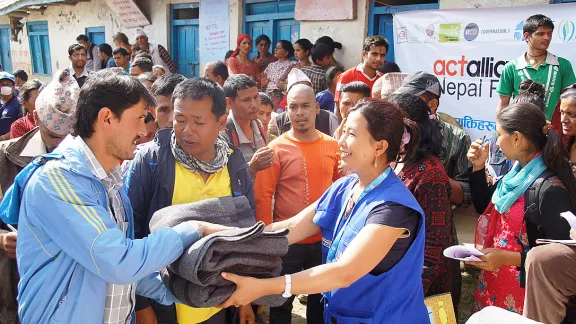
6, 91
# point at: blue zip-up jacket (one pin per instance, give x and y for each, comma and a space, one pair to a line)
69, 248
151, 176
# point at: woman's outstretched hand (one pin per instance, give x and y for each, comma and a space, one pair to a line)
248, 289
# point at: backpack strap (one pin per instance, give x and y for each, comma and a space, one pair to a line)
533, 200
323, 122
10, 205
90, 54
262, 132
282, 122
532, 213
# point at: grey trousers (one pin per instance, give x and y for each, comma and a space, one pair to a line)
550, 282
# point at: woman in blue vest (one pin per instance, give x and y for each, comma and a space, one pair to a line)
372, 230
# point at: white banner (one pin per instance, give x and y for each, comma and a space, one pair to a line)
214, 30
467, 50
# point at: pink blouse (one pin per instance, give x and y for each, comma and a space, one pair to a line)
237, 67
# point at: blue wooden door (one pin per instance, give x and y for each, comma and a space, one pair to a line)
97, 38
45, 46
274, 18
187, 54
288, 29
185, 38
386, 29
36, 49
5, 57
97, 35
256, 29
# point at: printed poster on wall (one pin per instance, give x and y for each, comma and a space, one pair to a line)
467, 50
128, 13
214, 29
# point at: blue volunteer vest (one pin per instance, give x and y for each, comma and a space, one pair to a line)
395, 296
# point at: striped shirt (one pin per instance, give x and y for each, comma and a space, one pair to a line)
120, 299
316, 75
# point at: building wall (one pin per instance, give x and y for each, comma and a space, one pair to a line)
461, 4
350, 33
66, 22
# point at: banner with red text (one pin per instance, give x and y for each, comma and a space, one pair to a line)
467, 50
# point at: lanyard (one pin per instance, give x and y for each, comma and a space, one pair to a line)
340, 227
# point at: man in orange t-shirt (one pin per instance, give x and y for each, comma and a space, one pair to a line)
373, 56
305, 165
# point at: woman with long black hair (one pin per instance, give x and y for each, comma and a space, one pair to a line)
524, 206
264, 57
372, 230
426, 178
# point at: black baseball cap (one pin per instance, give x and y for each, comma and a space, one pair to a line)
418, 83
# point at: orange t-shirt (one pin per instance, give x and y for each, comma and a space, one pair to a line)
300, 174
354, 74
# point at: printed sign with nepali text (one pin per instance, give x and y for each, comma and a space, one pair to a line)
467, 50
214, 29
128, 13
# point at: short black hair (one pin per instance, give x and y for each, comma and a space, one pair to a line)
375, 41
330, 42
262, 38
287, 46
532, 23
357, 87
265, 99
430, 130
389, 67
122, 51
200, 88
305, 44
329, 77
219, 68
110, 89
228, 54
143, 63
121, 37
320, 51
83, 38
236, 83
75, 48
149, 118
27, 88
105, 48
165, 85
21, 74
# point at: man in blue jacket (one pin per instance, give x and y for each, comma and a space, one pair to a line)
188, 163
77, 256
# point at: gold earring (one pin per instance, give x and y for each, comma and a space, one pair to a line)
375, 164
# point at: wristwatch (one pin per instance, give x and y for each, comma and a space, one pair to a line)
288, 290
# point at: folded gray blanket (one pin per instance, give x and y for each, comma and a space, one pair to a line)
249, 251
228, 211
204, 297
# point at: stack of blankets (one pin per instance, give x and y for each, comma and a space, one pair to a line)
246, 250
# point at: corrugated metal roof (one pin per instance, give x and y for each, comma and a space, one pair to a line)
7, 6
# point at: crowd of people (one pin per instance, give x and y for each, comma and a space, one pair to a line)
360, 164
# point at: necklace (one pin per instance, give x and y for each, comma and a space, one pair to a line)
535, 64
533, 61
